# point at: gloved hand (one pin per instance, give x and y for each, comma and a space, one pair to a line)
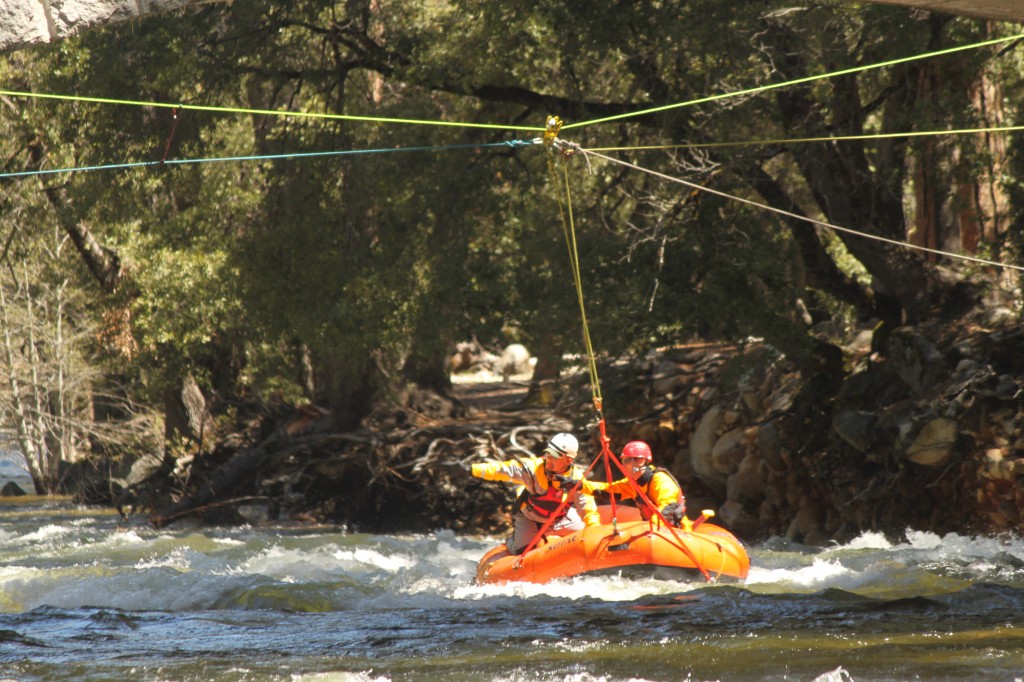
674, 513
566, 482
456, 470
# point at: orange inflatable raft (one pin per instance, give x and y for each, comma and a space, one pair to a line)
631, 546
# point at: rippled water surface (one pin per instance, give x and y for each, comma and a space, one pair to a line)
83, 597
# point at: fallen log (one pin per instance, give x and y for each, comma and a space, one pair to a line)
223, 480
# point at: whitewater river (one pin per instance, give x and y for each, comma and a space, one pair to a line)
84, 597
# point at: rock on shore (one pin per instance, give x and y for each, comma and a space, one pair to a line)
925, 432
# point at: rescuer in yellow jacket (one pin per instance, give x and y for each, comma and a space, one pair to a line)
658, 484
544, 486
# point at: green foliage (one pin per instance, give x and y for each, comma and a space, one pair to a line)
371, 263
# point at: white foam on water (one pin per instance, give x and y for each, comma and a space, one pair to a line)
931, 546
870, 564
530, 675
178, 559
76, 564
318, 563
837, 675
869, 540
46, 535
612, 588
159, 588
924, 540
367, 676
372, 560
820, 573
126, 570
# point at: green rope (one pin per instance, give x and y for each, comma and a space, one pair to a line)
265, 112
798, 81
569, 230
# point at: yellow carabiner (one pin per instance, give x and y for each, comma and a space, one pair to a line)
554, 125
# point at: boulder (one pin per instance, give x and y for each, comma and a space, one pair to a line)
701, 445
470, 356
769, 445
42, 21
934, 443
748, 483
737, 519
515, 359
856, 428
666, 377
11, 489
729, 451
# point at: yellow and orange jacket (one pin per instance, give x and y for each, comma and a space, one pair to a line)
532, 479
661, 488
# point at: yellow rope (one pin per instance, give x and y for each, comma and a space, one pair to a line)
797, 81
569, 231
264, 112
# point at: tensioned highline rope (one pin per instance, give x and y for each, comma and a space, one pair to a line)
517, 144
264, 112
495, 126
797, 81
799, 140
796, 216
267, 157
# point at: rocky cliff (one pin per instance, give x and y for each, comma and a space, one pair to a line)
30, 22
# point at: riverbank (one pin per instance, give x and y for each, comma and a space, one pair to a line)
924, 432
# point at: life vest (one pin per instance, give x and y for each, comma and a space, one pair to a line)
543, 505
644, 480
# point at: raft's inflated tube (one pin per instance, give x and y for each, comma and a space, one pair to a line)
630, 546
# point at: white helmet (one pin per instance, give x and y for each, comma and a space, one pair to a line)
562, 445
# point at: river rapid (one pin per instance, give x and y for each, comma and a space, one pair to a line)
87, 596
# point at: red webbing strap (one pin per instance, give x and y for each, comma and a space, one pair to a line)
607, 456
656, 513
555, 516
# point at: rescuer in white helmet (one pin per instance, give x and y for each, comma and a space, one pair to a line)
545, 483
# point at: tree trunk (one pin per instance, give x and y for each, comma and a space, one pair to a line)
220, 483
185, 413
429, 369
426, 365
353, 383
819, 269
22, 426
544, 384
856, 196
104, 264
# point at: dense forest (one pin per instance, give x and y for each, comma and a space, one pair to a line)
216, 221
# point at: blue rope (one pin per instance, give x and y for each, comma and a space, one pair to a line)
514, 144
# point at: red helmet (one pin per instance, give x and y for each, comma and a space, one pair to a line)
637, 449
